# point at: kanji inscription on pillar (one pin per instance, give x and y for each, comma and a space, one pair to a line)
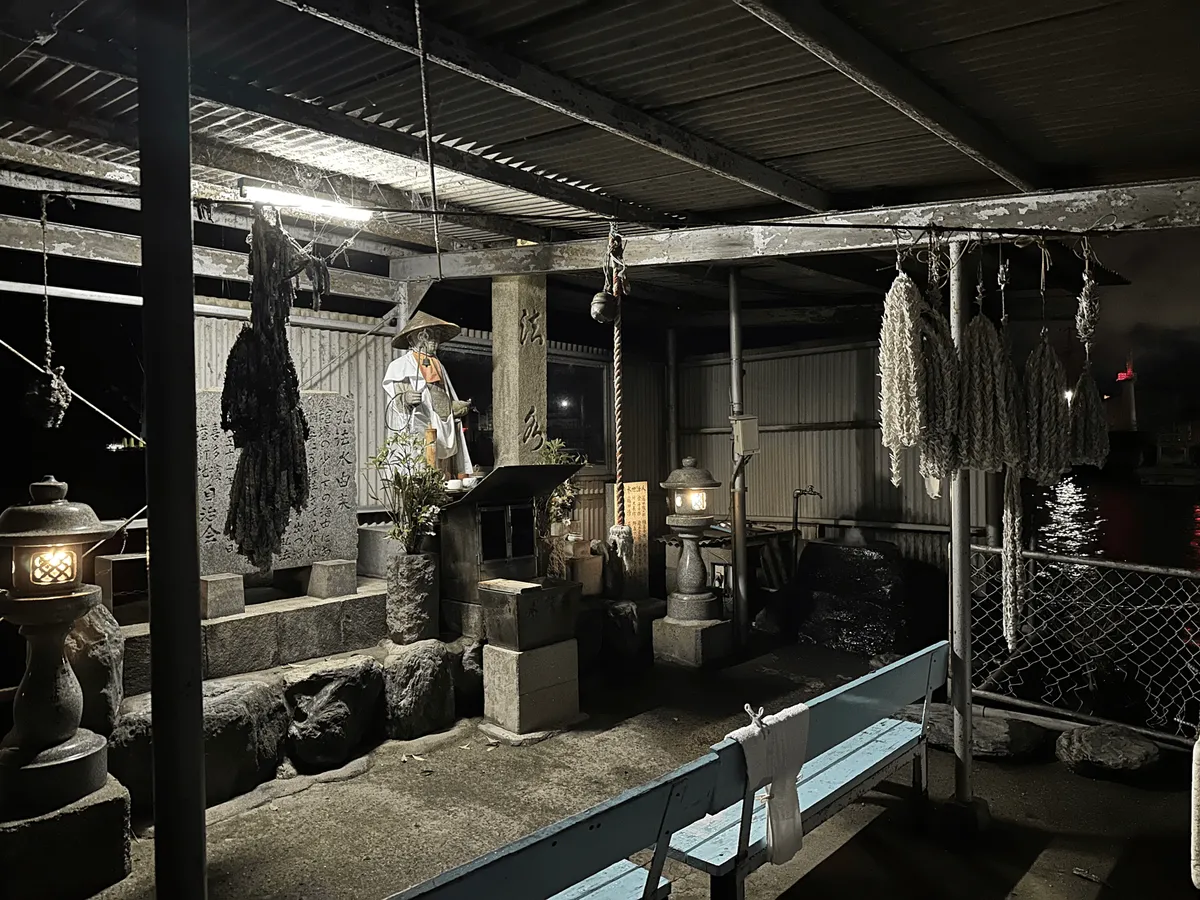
637, 517
327, 528
531, 328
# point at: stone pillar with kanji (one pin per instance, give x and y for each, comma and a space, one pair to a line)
519, 345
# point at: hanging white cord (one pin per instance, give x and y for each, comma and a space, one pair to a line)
437, 246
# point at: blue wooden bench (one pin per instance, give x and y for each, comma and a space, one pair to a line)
853, 745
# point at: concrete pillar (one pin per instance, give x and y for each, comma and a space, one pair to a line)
519, 344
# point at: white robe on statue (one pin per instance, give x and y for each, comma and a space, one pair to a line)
404, 373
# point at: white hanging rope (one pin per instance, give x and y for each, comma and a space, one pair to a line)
1089, 423
1012, 563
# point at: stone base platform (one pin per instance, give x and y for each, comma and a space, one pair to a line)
70, 854
275, 633
692, 644
531, 690
512, 739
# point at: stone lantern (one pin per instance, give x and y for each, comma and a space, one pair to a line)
47, 761
688, 489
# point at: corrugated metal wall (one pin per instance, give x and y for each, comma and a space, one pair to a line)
829, 399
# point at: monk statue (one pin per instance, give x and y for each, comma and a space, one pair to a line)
421, 399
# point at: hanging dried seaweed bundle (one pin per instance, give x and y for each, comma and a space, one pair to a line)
1012, 563
1047, 414
1089, 423
900, 371
260, 404
983, 402
939, 407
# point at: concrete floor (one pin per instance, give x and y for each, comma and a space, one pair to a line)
403, 820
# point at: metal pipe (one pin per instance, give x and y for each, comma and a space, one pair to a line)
168, 323
741, 577
960, 558
993, 504
672, 400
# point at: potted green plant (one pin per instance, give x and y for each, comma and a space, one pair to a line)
412, 493
554, 512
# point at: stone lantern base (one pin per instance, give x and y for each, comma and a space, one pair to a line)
72, 853
692, 643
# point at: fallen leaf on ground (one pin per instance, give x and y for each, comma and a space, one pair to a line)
418, 758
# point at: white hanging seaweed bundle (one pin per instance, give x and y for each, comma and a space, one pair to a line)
939, 408
1048, 415
900, 370
1012, 563
1089, 423
982, 401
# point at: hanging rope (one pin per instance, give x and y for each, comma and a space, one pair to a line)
616, 283
1089, 423
48, 397
437, 245
1012, 562
1048, 413
1013, 438
260, 403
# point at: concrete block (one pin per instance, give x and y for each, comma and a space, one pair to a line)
531, 690
312, 628
375, 549
364, 620
327, 528
136, 674
119, 573
523, 615
333, 578
589, 572
72, 853
221, 595
245, 643
463, 617
692, 644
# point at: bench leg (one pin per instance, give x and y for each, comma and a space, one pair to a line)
729, 886
920, 785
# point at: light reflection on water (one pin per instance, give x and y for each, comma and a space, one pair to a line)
1124, 522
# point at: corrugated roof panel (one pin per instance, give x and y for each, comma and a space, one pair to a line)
905, 162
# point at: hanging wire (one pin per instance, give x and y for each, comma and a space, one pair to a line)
437, 246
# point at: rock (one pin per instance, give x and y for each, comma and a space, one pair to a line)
418, 684
467, 658
95, 648
245, 722
286, 771
992, 736
333, 704
412, 597
1106, 751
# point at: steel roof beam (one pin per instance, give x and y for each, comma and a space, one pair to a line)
109, 57
388, 25
1135, 207
829, 38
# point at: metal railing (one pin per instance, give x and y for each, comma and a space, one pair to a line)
1112, 640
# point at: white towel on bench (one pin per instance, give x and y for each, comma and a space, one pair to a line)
775, 754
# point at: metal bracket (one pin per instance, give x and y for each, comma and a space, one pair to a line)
663, 843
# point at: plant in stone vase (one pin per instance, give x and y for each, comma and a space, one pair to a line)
412, 493
554, 511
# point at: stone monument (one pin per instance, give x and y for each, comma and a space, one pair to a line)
519, 346
325, 530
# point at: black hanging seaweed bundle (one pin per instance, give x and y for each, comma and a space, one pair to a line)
260, 404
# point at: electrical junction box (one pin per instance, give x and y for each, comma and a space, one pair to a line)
745, 435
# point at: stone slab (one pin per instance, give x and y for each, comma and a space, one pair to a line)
120, 573
692, 644
463, 617
513, 739
136, 673
326, 529
238, 644
333, 578
309, 631
523, 672
375, 548
521, 615
92, 836
364, 618
544, 709
519, 346
589, 572
221, 595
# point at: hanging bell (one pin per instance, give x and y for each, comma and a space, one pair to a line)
604, 307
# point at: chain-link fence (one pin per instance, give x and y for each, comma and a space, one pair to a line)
1113, 640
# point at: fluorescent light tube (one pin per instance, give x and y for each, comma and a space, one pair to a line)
288, 200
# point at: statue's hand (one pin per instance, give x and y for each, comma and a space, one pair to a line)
410, 398
460, 408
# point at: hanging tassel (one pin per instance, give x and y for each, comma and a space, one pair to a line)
1012, 565
1048, 415
260, 403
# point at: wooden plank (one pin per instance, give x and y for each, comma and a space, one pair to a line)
1132, 207
845, 48
126, 250
395, 27
851, 768
555, 858
621, 881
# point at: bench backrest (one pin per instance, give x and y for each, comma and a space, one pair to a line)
840, 714
563, 854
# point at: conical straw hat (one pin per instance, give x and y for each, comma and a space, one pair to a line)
439, 329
